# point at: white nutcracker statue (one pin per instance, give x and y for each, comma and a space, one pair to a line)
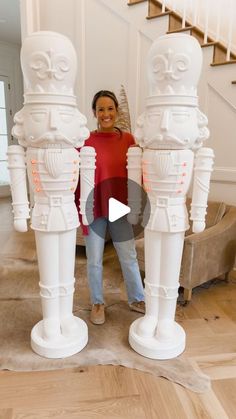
171, 132
48, 128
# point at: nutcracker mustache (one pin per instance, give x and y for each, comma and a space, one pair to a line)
167, 138
52, 138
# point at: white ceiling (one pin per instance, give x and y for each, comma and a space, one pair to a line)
10, 21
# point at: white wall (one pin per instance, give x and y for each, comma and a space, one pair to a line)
10, 67
112, 40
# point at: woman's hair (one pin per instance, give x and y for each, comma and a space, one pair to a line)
104, 93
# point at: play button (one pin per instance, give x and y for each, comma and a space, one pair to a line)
116, 209
125, 206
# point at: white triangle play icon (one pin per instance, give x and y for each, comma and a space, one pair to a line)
116, 209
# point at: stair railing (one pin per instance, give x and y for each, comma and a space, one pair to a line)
214, 18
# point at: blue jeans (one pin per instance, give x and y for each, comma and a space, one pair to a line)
127, 257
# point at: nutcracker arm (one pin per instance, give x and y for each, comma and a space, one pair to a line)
134, 167
202, 174
17, 170
87, 175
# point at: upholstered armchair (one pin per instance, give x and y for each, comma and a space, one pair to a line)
206, 255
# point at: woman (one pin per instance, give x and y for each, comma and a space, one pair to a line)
111, 145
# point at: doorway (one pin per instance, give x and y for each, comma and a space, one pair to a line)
5, 134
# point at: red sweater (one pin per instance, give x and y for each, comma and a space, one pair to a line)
111, 172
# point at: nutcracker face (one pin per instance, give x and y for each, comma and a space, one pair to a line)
174, 127
49, 117
172, 119
37, 125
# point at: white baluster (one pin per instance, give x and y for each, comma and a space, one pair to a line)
218, 21
173, 5
195, 11
230, 32
184, 13
163, 9
206, 21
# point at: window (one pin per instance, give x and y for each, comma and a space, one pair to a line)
4, 131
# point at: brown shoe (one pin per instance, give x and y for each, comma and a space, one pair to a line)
138, 306
97, 315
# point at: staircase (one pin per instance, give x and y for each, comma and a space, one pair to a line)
216, 90
177, 24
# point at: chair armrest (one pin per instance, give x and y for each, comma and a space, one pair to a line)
209, 254
226, 224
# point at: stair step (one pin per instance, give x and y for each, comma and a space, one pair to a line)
223, 63
187, 28
131, 2
157, 15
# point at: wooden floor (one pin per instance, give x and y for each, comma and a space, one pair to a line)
108, 392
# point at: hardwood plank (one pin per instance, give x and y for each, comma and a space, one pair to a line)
114, 408
6, 414
198, 406
225, 391
59, 388
198, 346
219, 366
159, 398
118, 381
228, 306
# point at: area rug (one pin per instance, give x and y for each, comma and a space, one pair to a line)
20, 309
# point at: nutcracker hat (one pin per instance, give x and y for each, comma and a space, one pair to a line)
48, 61
174, 66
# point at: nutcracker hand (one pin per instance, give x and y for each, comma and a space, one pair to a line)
21, 225
198, 226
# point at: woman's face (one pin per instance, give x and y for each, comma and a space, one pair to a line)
105, 113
